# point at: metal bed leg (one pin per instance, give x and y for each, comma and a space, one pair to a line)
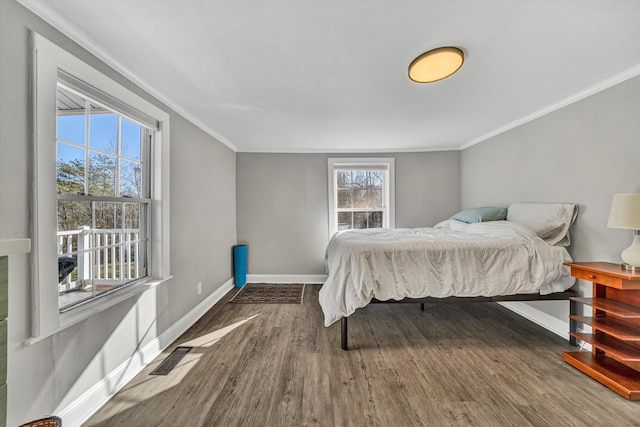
421, 306
572, 323
343, 333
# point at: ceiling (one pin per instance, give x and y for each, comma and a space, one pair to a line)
331, 76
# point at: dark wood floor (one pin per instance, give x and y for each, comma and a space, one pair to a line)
452, 365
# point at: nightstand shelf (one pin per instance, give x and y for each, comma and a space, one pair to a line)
618, 377
615, 321
610, 326
614, 308
613, 347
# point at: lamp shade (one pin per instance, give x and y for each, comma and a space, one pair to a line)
625, 211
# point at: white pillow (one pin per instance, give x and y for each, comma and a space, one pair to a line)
564, 213
503, 229
543, 229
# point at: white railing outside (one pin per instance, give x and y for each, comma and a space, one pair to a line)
105, 258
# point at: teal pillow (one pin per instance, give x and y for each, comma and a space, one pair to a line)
481, 215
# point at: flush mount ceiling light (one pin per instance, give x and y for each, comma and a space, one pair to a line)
436, 64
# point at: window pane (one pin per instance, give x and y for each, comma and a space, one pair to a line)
344, 198
375, 179
73, 215
71, 127
344, 220
102, 175
375, 220
360, 198
131, 216
105, 256
358, 179
360, 220
108, 219
130, 175
130, 135
132, 261
374, 198
73, 298
343, 179
71, 119
103, 133
107, 215
69, 169
74, 219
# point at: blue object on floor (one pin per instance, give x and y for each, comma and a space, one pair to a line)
240, 265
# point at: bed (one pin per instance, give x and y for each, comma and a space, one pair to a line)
484, 254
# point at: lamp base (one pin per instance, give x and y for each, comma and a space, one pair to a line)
631, 255
629, 267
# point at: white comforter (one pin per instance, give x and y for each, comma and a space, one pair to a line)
486, 259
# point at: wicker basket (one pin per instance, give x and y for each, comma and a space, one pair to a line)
45, 422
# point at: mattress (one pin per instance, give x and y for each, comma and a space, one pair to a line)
483, 259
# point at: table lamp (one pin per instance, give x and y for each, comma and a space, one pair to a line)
625, 213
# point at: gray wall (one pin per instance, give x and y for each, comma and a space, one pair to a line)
282, 210
52, 373
583, 153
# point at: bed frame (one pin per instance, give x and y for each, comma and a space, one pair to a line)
566, 295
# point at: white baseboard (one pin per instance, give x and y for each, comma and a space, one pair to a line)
86, 405
286, 278
541, 318
548, 322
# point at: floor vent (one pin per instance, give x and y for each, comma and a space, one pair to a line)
171, 361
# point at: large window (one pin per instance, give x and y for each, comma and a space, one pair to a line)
101, 191
361, 193
102, 197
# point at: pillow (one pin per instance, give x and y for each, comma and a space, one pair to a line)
480, 215
543, 229
501, 229
564, 213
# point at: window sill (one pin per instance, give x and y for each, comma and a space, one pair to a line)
92, 308
14, 246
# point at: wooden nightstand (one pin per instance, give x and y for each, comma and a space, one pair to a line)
615, 321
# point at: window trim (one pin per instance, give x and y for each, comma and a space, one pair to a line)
47, 61
387, 163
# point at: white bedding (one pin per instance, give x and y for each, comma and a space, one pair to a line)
483, 259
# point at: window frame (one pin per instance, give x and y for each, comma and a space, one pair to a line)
47, 61
148, 128
387, 164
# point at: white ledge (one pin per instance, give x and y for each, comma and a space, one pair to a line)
14, 246
82, 312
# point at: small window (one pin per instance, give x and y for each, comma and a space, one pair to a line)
361, 194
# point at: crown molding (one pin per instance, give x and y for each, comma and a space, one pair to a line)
346, 151
591, 90
42, 10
